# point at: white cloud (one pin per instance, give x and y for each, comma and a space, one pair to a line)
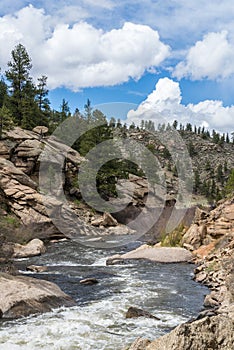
80, 55
211, 58
164, 105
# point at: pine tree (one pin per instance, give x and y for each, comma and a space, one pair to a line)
197, 181
219, 175
112, 122
191, 149
20, 80
65, 110
88, 111
3, 92
229, 188
175, 124
6, 119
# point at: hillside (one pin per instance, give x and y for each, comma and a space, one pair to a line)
20, 152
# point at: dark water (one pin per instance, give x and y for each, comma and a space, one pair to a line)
98, 322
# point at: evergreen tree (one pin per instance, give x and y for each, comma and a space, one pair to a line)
6, 119
189, 127
88, 111
232, 137
207, 166
219, 175
112, 122
42, 92
197, 181
119, 124
3, 92
65, 110
191, 149
20, 81
229, 188
225, 168
175, 124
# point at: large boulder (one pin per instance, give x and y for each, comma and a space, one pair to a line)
216, 333
135, 312
195, 235
156, 254
33, 248
105, 220
22, 296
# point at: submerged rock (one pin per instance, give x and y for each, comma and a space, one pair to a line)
134, 312
36, 268
89, 281
22, 296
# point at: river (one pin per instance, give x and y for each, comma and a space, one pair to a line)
98, 321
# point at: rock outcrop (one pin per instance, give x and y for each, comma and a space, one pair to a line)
214, 327
22, 296
214, 333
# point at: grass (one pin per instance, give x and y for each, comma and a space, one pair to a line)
11, 230
172, 239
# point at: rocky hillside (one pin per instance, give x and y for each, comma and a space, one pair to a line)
211, 239
21, 197
20, 152
212, 162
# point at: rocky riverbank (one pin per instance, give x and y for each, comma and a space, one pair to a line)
211, 240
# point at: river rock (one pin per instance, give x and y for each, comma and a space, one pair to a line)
36, 268
89, 281
134, 312
156, 254
22, 296
115, 259
33, 248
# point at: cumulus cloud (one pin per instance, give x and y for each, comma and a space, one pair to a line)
212, 58
164, 105
80, 55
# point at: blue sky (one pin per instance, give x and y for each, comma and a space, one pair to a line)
175, 58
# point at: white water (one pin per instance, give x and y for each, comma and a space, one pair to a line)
99, 322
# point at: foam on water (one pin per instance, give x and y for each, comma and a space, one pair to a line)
99, 322
100, 325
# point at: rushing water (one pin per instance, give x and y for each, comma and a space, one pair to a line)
98, 321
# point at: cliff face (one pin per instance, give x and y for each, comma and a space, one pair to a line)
214, 254
19, 172
20, 159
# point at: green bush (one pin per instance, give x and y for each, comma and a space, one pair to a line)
172, 239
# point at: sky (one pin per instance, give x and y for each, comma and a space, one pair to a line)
134, 60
